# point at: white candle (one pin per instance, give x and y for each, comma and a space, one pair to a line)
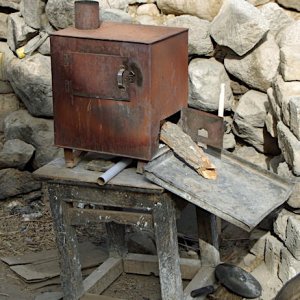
221, 100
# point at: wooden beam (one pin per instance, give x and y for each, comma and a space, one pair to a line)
148, 264
78, 216
103, 276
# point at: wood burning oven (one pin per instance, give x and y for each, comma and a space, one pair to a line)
113, 84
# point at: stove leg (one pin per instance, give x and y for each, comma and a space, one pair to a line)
72, 157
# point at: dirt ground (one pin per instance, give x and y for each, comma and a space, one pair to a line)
20, 236
27, 227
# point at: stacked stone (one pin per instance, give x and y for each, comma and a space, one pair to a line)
282, 250
251, 46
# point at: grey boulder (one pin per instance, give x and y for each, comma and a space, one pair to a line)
31, 81
14, 182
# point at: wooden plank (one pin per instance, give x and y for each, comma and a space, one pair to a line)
208, 237
56, 170
89, 216
244, 207
98, 297
71, 277
164, 217
106, 197
87, 252
183, 145
103, 276
148, 264
204, 277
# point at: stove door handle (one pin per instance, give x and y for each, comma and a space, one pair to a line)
120, 78
124, 77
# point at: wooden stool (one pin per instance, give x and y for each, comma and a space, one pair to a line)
129, 199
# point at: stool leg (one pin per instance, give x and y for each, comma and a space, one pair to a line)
71, 277
116, 239
167, 249
208, 238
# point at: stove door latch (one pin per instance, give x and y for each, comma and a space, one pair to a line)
124, 77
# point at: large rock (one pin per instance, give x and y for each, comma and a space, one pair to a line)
3, 25
239, 26
203, 9
251, 155
293, 236
205, 78
149, 9
140, 1
271, 124
290, 62
294, 4
15, 4
6, 55
288, 267
61, 12
277, 17
258, 68
280, 224
32, 11
15, 154
8, 104
14, 182
35, 131
289, 35
294, 200
295, 116
275, 107
199, 39
284, 92
290, 147
249, 121
258, 2
5, 87
252, 108
31, 81
272, 254
115, 15
18, 33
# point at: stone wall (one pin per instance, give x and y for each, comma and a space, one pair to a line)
253, 47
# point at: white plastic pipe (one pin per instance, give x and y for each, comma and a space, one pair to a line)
114, 170
221, 100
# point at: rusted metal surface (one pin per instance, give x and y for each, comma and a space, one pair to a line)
87, 15
203, 127
124, 32
112, 86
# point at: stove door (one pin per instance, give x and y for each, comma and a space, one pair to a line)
99, 76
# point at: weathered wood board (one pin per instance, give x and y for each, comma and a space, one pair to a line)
243, 194
127, 178
37, 267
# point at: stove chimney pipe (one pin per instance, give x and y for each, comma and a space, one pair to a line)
87, 15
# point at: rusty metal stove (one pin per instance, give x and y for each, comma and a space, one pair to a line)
114, 83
